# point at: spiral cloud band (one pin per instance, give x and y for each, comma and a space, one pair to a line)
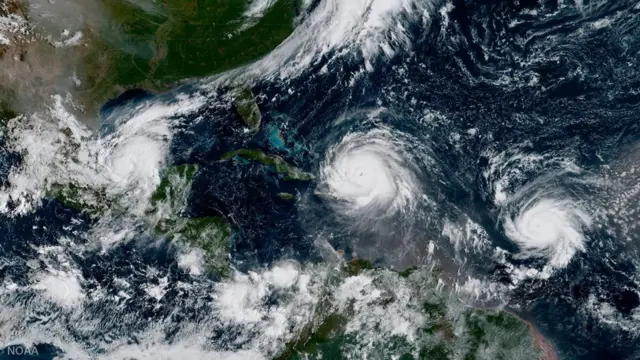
549, 227
371, 174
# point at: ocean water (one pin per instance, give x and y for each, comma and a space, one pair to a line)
493, 140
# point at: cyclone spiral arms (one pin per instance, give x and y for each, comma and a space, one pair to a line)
547, 224
372, 175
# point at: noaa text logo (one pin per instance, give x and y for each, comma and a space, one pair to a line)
19, 350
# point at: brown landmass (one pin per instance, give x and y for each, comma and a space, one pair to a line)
547, 348
35, 65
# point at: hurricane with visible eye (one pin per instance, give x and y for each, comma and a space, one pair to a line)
371, 175
546, 224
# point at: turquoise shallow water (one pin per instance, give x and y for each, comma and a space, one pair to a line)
495, 109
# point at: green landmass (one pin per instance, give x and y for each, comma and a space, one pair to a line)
356, 266
165, 214
406, 272
319, 339
210, 234
175, 185
287, 196
154, 44
247, 108
486, 330
81, 198
462, 333
279, 165
323, 326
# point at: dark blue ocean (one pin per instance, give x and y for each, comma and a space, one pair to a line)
537, 75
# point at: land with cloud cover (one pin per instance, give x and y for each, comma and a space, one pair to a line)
94, 50
177, 172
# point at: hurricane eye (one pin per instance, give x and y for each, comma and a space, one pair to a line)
371, 174
547, 226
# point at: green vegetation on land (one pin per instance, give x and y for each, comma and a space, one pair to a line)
81, 198
486, 330
209, 234
450, 329
287, 196
279, 165
356, 266
480, 339
155, 44
174, 185
247, 108
319, 339
165, 214
406, 272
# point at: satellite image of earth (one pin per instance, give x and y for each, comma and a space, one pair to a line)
320, 179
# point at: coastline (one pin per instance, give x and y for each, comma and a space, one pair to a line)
548, 350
